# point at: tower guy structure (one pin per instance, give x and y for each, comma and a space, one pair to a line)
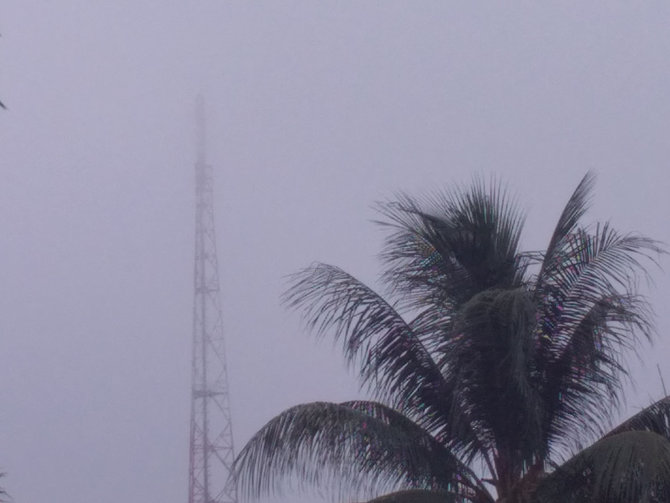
211, 435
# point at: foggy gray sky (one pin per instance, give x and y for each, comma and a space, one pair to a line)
316, 110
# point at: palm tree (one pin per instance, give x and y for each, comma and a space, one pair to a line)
490, 368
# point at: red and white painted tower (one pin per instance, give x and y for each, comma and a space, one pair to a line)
211, 437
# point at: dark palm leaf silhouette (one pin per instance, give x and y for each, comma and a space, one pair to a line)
490, 366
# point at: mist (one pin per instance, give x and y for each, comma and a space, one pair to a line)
315, 111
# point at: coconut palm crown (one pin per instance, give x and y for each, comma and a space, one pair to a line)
490, 368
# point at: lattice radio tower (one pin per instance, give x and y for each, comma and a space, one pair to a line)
211, 438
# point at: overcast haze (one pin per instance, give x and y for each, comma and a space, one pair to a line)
316, 110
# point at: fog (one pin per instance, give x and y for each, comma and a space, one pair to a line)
316, 110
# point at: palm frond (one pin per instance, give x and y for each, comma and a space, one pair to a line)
353, 449
626, 467
452, 246
394, 363
593, 263
416, 496
593, 268
490, 364
581, 385
567, 223
655, 418
399, 421
588, 317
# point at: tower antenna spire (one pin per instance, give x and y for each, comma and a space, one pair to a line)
201, 129
211, 450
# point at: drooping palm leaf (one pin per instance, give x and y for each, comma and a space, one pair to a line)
393, 360
595, 263
355, 448
632, 466
588, 316
655, 418
593, 268
476, 490
579, 386
416, 496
